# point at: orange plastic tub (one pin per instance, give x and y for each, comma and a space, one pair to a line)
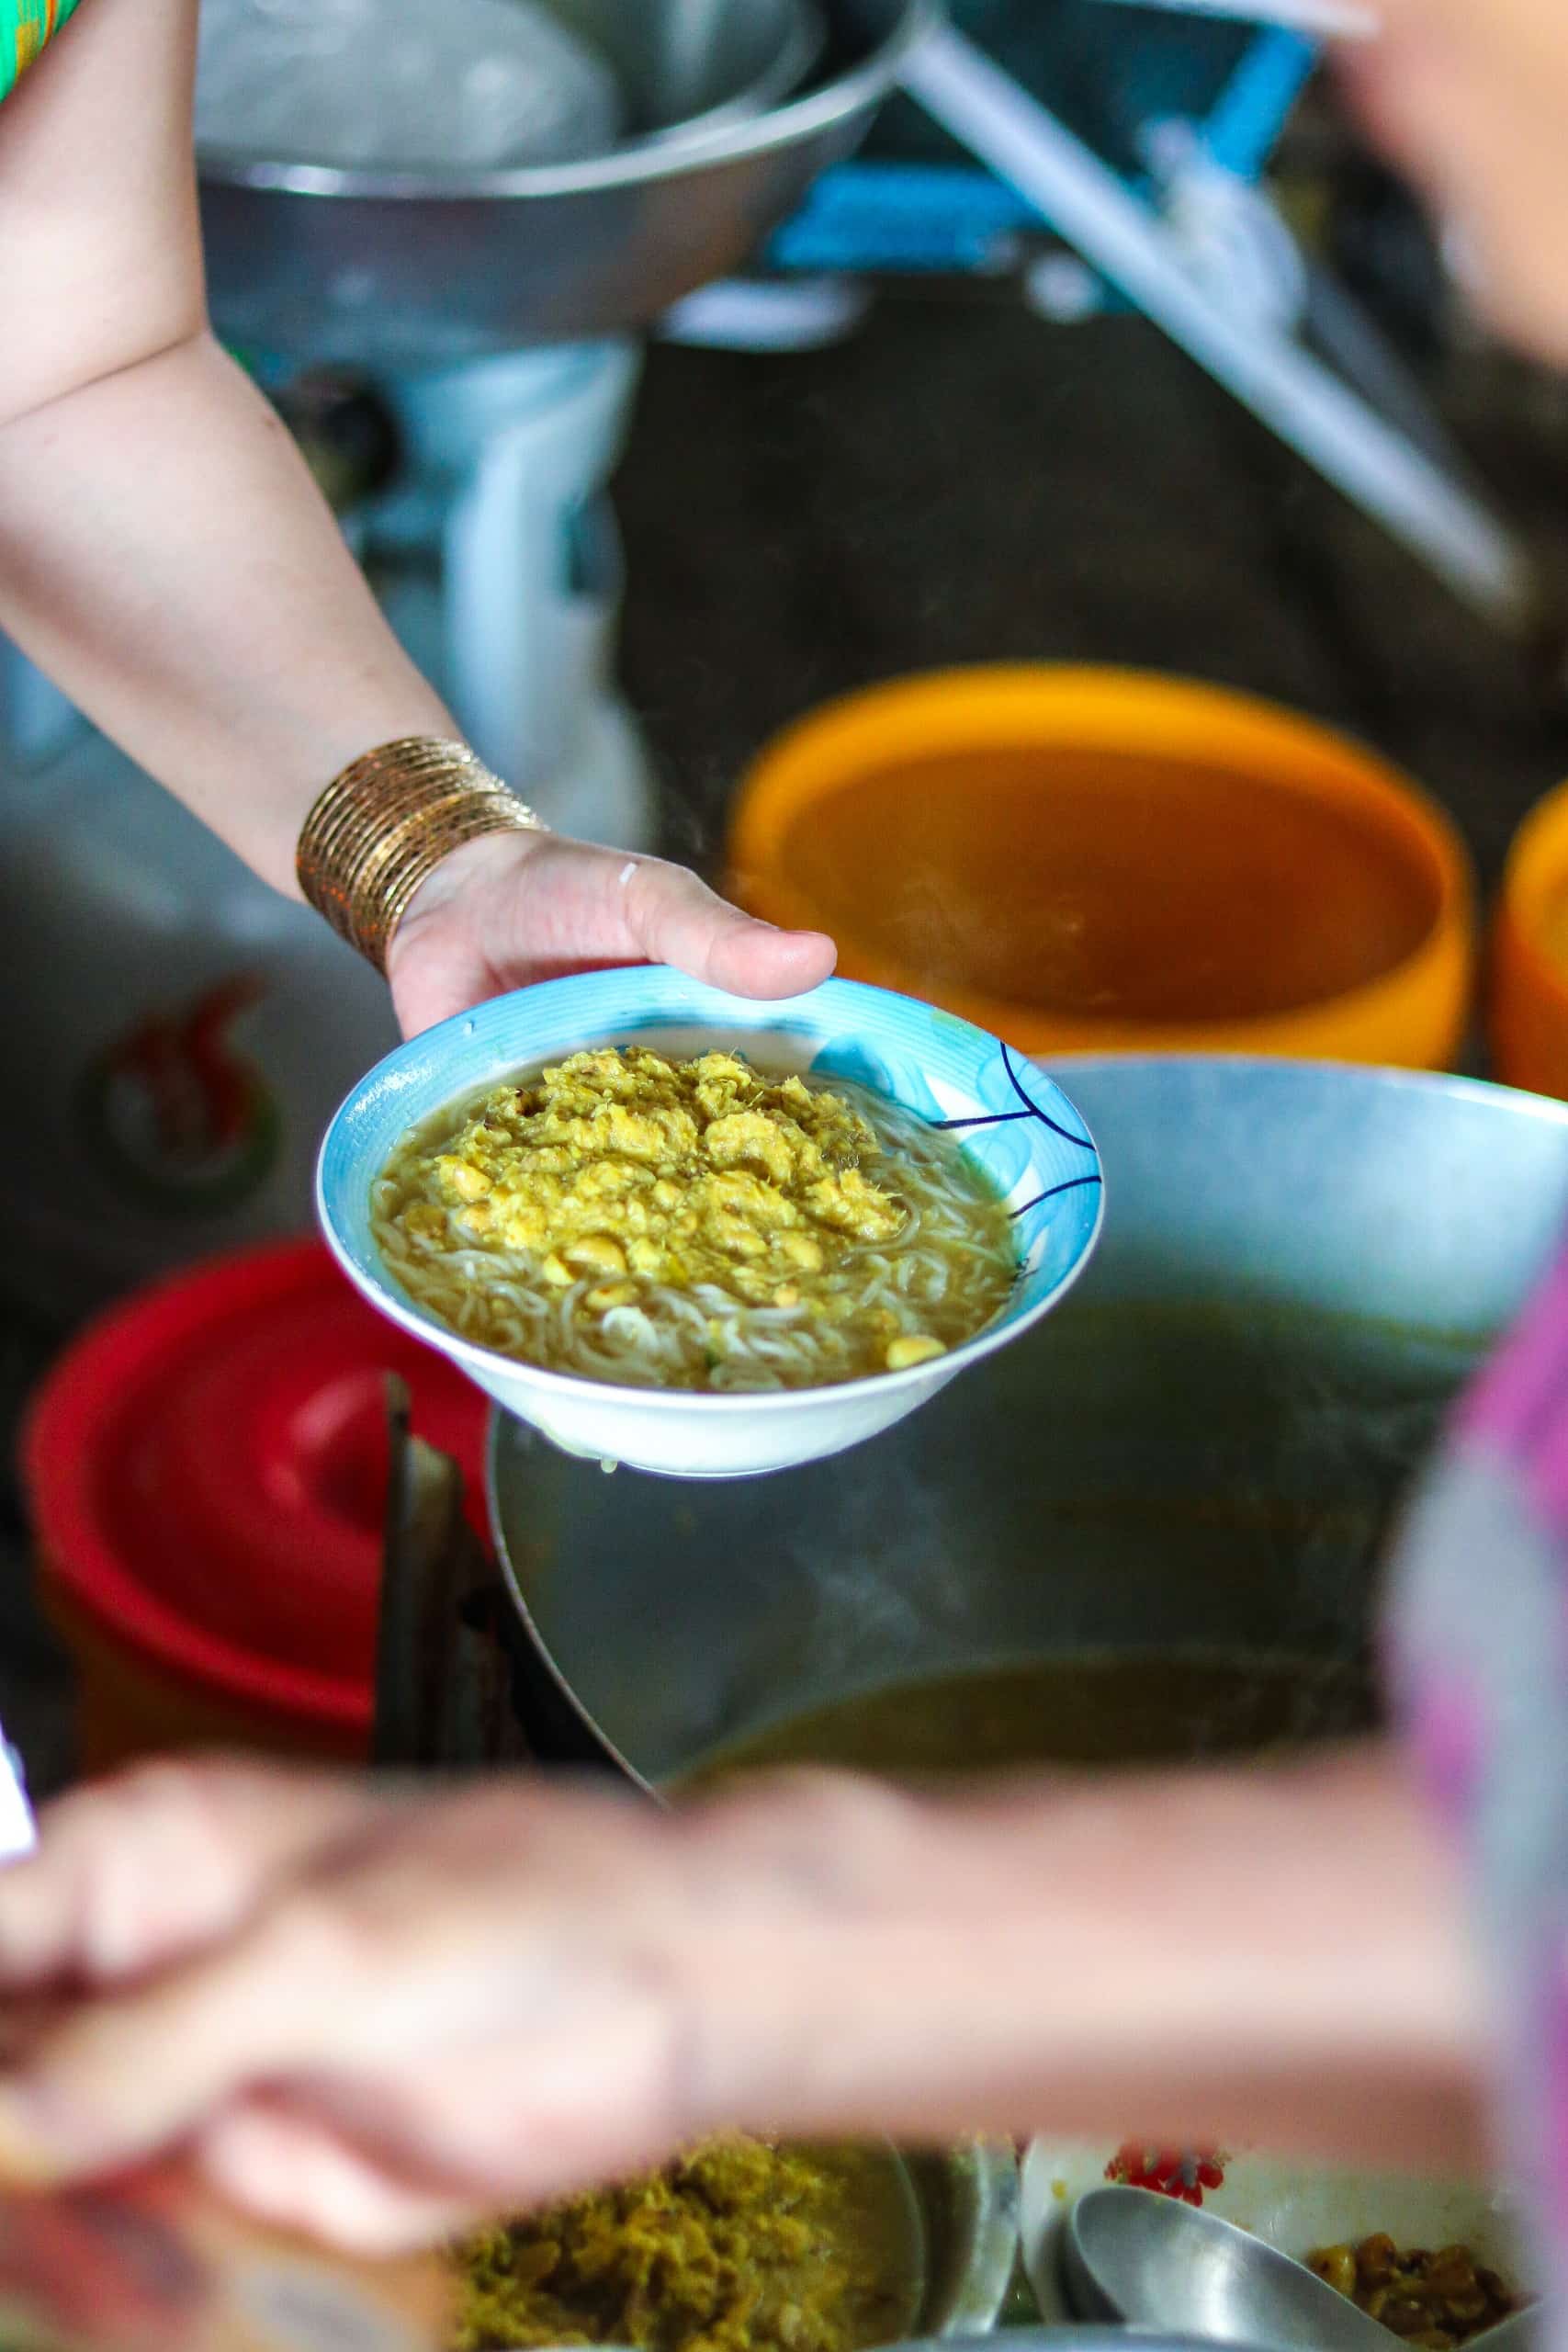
1528, 999
1105, 860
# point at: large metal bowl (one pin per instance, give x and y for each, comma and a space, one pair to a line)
426, 269
1198, 1452
691, 67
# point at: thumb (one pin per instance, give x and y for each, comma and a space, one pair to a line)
675, 919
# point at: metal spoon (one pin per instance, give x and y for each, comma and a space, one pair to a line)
1128, 2255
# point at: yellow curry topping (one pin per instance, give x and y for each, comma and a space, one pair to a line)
694, 1224
633, 1169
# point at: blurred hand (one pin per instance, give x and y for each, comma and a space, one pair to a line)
516, 907
372, 2015
376, 2013
1470, 96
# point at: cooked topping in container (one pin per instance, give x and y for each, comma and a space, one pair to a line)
694, 1224
740, 2247
1438, 2300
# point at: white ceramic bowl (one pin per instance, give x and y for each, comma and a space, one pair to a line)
1018, 1127
1296, 2207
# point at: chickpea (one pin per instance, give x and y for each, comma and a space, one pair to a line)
1453, 2270
1434, 2300
469, 1183
1376, 2258
596, 1253
903, 1354
1465, 2311
1336, 2264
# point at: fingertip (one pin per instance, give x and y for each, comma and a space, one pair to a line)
269, 2165
811, 958
762, 963
822, 951
293, 2173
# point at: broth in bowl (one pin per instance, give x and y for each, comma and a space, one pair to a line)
694, 1224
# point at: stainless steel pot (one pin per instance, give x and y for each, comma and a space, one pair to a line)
969, 2201
1082, 2339
411, 271
691, 67
1197, 1454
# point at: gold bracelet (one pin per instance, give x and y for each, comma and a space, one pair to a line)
384, 825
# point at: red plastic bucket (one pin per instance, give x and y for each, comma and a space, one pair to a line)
206, 1472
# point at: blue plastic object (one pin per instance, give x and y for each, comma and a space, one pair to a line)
913, 205
874, 219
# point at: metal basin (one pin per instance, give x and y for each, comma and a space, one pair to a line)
417, 270
1194, 1460
968, 2202
1063, 2339
689, 66
1085, 2340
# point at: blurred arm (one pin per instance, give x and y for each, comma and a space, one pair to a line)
164, 554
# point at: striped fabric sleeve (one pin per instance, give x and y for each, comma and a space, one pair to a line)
25, 26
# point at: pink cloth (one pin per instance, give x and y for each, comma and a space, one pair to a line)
1519, 1406
1477, 1644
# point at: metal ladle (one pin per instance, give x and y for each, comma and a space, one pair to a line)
1130, 2256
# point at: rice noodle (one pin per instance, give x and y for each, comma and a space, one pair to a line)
941, 1280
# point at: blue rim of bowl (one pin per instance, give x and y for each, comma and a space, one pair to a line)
375, 1284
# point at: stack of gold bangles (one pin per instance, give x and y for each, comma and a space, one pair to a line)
383, 826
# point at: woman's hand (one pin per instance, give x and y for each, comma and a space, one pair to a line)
375, 2012
372, 2015
520, 907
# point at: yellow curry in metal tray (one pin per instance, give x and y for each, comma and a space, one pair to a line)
740, 2248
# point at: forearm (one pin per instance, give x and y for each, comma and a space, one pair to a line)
1273, 1957
166, 557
